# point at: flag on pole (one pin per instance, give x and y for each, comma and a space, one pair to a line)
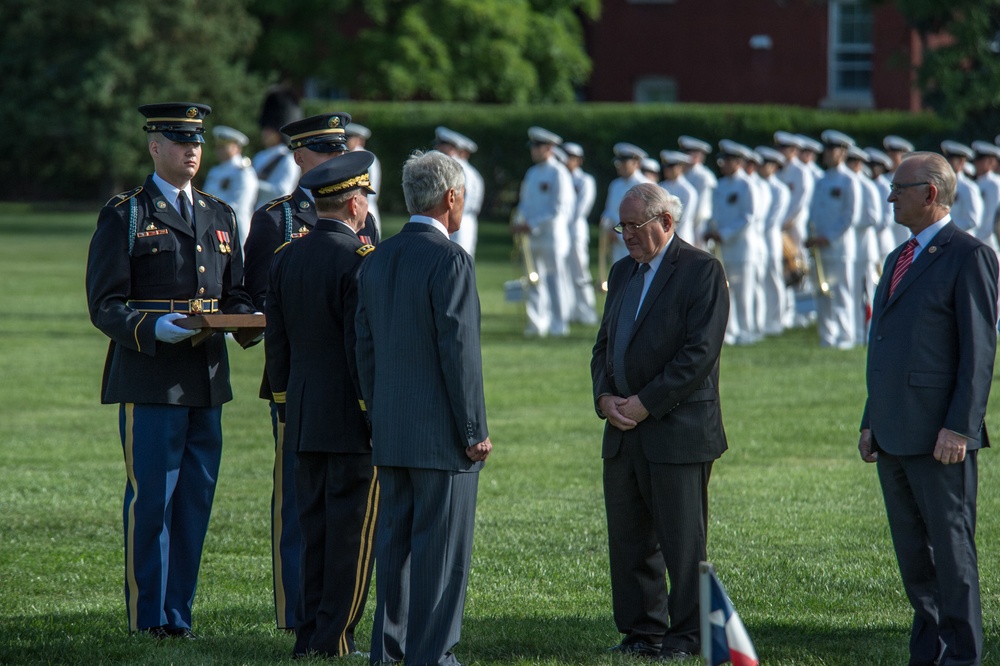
724, 639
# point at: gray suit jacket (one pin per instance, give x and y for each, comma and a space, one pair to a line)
932, 345
419, 361
673, 357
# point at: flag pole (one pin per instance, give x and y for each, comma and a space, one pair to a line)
705, 571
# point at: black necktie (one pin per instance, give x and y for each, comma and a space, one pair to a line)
623, 329
182, 205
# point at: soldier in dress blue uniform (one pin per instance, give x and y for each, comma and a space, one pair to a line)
313, 141
311, 299
161, 252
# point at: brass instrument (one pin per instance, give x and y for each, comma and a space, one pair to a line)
602, 254
514, 290
821, 283
793, 262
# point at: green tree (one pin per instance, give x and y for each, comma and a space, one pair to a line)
447, 50
73, 74
960, 78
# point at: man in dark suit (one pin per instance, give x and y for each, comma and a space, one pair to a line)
420, 369
311, 301
930, 365
314, 141
655, 369
161, 252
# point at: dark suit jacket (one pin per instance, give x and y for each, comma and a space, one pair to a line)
673, 357
309, 340
278, 221
932, 345
419, 361
168, 260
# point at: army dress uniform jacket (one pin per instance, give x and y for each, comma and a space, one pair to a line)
277, 222
310, 340
143, 250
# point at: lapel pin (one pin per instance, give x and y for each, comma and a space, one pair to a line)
932, 249
201, 202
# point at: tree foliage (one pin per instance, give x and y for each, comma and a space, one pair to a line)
447, 50
961, 78
73, 74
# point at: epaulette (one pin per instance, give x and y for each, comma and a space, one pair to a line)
119, 199
212, 197
365, 250
281, 247
274, 202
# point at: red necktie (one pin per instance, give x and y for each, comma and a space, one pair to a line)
902, 264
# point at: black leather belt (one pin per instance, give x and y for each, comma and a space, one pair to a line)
190, 306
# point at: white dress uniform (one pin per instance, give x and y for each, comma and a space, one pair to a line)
683, 190
546, 204
609, 218
891, 235
868, 258
704, 182
468, 234
277, 173
775, 291
375, 176
733, 217
235, 182
967, 211
583, 302
989, 185
800, 182
762, 206
835, 210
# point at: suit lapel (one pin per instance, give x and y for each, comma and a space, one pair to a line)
660, 279
924, 260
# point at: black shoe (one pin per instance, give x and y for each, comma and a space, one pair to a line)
637, 648
674, 654
159, 633
182, 633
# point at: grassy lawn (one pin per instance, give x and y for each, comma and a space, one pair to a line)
798, 531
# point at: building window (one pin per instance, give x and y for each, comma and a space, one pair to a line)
850, 56
655, 89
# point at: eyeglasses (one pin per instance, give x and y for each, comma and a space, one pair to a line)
898, 187
622, 227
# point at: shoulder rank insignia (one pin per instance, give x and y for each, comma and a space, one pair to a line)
124, 196
364, 250
281, 247
274, 202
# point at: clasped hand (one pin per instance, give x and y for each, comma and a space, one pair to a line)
622, 413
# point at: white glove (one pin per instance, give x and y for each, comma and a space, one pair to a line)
167, 331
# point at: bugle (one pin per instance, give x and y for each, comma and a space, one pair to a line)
603, 247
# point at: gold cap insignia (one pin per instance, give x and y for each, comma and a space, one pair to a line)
192, 112
334, 122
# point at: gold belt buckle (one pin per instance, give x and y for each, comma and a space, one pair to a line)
196, 305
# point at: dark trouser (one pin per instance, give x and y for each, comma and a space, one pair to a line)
423, 547
286, 537
657, 526
338, 500
172, 456
932, 517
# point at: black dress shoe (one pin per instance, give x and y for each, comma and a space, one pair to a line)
183, 633
673, 654
159, 633
637, 648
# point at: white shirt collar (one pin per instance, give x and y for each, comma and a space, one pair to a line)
430, 221
170, 192
925, 237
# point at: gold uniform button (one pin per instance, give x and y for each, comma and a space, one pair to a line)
198, 247
201, 269
201, 291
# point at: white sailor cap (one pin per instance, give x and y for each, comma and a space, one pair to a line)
876, 156
770, 155
834, 138
357, 129
955, 149
893, 142
542, 135
649, 164
225, 133
782, 138
985, 148
685, 142
670, 157
573, 149
730, 148
855, 153
629, 151
460, 141
810, 144
559, 153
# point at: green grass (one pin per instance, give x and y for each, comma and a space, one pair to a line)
798, 531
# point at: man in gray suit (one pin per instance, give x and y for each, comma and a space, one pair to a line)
655, 369
420, 370
930, 365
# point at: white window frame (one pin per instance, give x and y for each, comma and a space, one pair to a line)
836, 97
